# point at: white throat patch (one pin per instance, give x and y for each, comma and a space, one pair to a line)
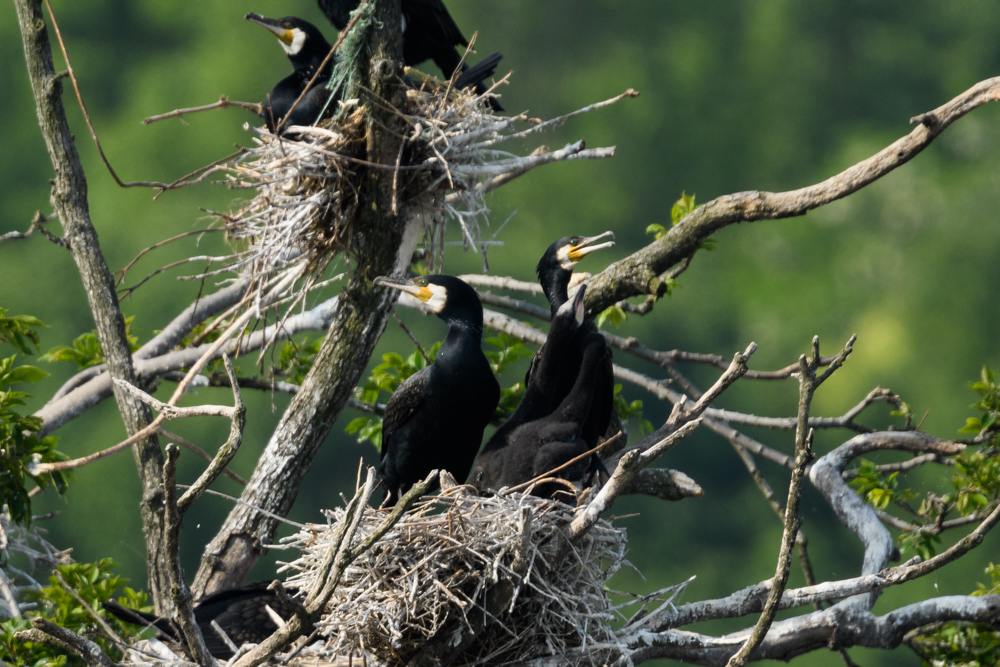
438, 298
298, 40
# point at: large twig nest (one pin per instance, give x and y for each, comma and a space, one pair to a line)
496, 567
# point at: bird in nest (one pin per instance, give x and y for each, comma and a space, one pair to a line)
436, 418
307, 49
429, 33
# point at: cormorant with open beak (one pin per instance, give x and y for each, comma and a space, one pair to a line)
429, 33
436, 418
306, 48
555, 269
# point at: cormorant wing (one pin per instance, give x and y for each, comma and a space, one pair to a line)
405, 402
431, 18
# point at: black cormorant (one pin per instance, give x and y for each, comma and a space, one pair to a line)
429, 33
306, 48
555, 269
542, 445
497, 459
436, 418
241, 612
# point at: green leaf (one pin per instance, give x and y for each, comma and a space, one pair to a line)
613, 314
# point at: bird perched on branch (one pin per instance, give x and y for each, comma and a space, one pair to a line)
436, 418
502, 462
554, 270
429, 33
246, 614
306, 48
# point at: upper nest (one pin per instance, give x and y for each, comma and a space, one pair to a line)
307, 185
495, 565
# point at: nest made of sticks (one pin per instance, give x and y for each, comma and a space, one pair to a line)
495, 565
307, 184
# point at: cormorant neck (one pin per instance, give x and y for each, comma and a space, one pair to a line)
556, 289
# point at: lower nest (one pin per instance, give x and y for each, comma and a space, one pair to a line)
493, 574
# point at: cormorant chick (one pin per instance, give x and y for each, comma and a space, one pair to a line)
543, 445
555, 269
241, 612
429, 33
306, 48
497, 461
436, 418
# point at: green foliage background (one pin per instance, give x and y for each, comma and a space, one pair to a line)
735, 96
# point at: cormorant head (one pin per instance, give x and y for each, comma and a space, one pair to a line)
556, 266
302, 41
448, 297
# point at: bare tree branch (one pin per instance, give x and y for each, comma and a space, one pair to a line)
639, 273
69, 197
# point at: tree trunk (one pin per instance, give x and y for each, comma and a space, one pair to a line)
385, 244
69, 200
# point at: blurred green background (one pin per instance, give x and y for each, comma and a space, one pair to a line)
769, 95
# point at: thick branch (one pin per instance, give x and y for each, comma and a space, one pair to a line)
389, 241
640, 272
69, 200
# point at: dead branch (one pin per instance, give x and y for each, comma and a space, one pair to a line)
639, 273
223, 103
47, 632
181, 597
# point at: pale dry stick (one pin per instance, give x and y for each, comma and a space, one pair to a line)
503, 175
227, 451
628, 467
171, 412
936, 528
183, 611
902, 573
803, 455
501, 282
562, 119
198, 451
223, 103
8, 594
121, 272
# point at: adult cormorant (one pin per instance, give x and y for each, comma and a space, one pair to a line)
241, 612
497, 459
555, 269
306, 48
429, 33
543, 445
436, 418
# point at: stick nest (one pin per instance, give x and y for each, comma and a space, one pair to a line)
493, 567
307, 183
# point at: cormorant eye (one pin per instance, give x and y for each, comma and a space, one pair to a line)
423, 282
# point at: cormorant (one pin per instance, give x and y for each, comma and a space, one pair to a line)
429, 33
555, 269
241, 612
306, 48
436, 418
496, 466
540, 446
